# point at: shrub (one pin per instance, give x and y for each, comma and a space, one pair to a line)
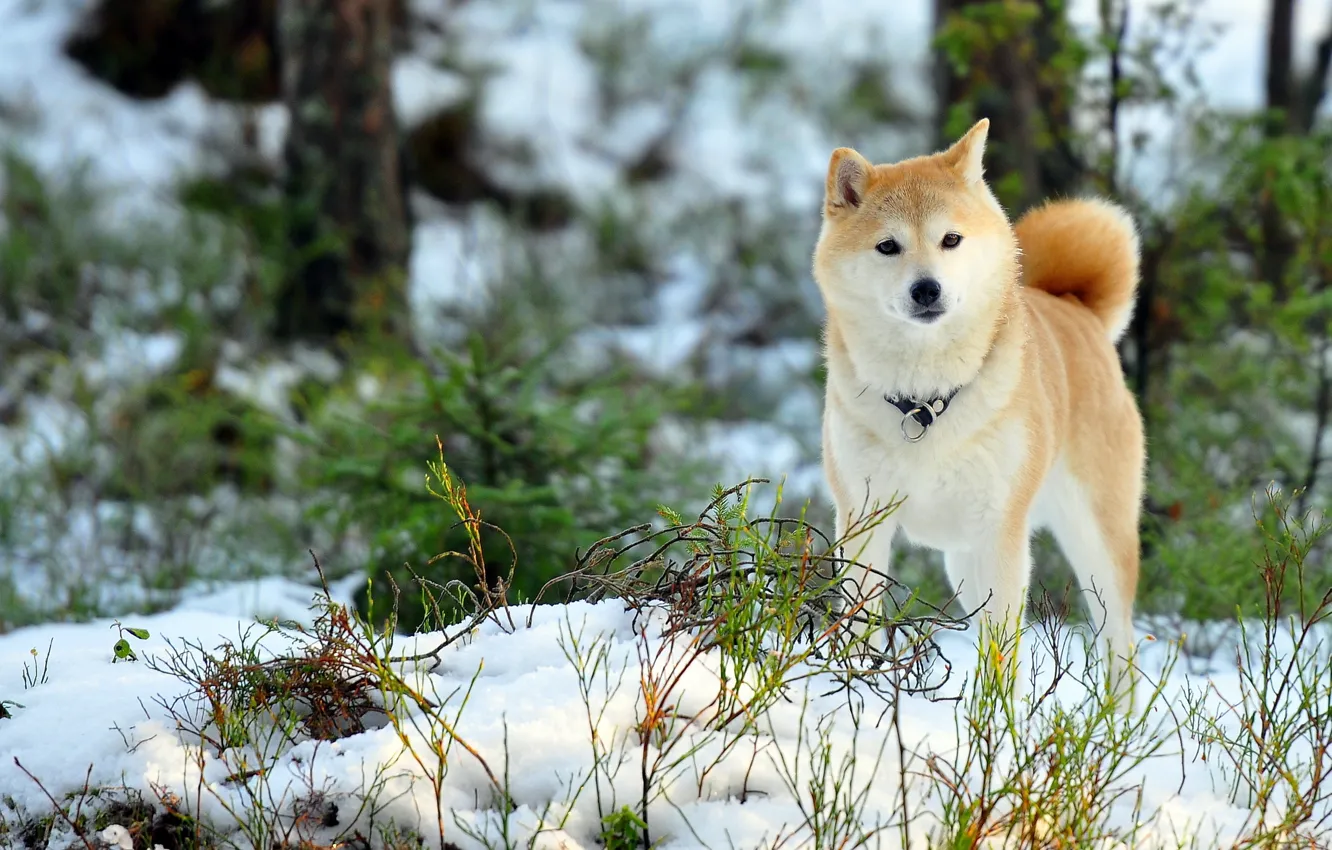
556, 467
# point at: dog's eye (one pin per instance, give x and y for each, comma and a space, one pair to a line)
952, 240
889, 248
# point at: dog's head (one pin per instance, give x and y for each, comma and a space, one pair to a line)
921, 243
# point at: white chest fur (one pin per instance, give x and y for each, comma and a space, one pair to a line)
954, 483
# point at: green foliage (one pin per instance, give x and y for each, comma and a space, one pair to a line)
1274, 743
1244, 307
179, 433
127, 444
1019, 62
556, 467
1041, 771
45, 239
123, 650
622, 829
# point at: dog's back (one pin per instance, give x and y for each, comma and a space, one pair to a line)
1080, 273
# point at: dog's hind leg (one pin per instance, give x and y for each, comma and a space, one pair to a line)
1102, 547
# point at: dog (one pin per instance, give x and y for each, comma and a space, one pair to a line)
972, 376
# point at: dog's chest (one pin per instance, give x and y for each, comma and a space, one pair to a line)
955, 482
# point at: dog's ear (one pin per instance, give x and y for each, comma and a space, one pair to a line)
967, 154
848, 179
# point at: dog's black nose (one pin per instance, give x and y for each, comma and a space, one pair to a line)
925, 291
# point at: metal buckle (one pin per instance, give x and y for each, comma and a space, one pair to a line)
910, 416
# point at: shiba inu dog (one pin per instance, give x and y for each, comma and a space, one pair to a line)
972, 374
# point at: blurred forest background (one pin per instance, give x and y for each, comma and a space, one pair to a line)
255, 255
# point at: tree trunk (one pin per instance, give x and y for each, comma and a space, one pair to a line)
349, 227
1292, 104
1280, 78
1023, 77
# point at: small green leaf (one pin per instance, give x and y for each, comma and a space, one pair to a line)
141, 634
124, 651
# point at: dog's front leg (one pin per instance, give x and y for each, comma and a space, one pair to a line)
865, 559
990, 579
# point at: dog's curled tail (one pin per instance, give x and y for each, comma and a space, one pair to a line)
1087, 248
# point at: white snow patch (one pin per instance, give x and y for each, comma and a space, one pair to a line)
267, 383
523, 714
270, 598
66, 120
127, 356
422, 89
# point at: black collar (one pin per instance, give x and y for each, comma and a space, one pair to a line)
924, 412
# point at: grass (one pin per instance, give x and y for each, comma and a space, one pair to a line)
733, 636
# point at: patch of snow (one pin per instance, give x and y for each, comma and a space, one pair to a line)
631, 130
267, 383
48, 427
449, 263
272, 122
268, 598
689, 29
545, 100
68, 121
457, 264
515, 698
422, 89
660, 349
713, 145
118, 836
761, 449
128, 357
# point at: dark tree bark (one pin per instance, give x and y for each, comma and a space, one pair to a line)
1019, 82
349, 224
1314, 90
1280, 79
1292, 97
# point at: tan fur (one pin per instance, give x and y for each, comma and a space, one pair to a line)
1043, 431
1087, 249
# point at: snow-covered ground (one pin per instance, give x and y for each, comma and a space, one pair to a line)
514, 696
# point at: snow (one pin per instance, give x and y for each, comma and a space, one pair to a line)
545, 101
269, 598
65, 120
129, 356
513, 695
452, 263
268, 384
422, 89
